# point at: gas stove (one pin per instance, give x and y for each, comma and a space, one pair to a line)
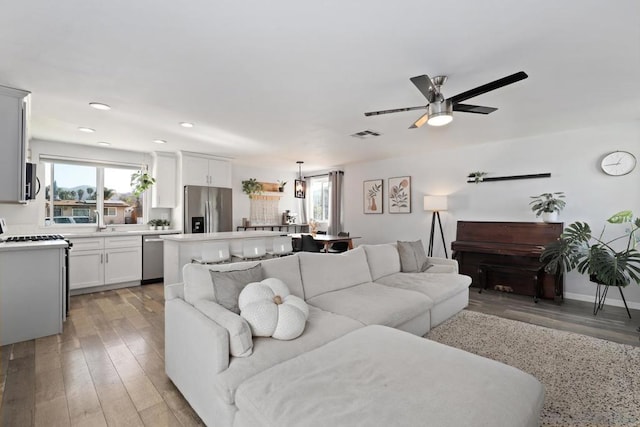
34, 238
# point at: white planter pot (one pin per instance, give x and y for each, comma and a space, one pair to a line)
550, 216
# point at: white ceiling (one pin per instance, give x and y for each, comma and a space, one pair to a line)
289, 80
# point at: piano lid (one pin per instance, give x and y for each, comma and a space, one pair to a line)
514, 234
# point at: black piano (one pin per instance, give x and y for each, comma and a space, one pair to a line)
505, 256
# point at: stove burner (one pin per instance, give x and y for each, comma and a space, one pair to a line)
35, 238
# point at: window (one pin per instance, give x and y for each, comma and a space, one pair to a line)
318, 195
73, 195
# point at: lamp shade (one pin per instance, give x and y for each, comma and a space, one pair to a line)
435, 203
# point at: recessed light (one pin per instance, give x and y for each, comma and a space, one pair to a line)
159, 141
186, 124
86, 130
106, 144
99, 106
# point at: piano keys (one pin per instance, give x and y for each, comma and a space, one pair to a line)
505, 256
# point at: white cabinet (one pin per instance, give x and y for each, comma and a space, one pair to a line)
163, 193
14, 118
206, 171
98, 261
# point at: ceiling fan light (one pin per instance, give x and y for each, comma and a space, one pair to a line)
440, 120
440, 113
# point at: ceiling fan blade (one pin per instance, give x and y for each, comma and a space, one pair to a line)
395, 110
489, 87
422, 120
425, 86
478, 109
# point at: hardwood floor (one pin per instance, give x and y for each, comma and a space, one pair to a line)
107, 367
611, 323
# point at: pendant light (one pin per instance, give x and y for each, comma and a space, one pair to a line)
300, 186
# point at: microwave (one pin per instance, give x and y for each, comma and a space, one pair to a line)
31, 182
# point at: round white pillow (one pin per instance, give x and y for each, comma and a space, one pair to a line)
272, 311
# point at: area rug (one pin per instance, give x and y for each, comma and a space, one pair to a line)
588, 381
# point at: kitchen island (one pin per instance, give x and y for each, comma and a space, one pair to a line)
180, 249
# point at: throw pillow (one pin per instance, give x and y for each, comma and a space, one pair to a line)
228, 284
413, 258
272, 311
240, 341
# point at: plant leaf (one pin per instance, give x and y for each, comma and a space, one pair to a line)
621, 217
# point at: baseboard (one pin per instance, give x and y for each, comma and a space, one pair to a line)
609, 301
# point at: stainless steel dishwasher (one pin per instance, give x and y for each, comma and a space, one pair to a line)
152, 259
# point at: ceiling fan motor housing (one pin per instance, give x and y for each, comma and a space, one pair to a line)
440, 113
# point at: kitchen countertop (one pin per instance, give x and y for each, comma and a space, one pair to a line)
108, 233
228, 235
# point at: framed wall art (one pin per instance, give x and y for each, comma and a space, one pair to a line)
372, 196
399, 200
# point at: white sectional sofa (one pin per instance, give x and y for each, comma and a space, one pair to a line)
361, 359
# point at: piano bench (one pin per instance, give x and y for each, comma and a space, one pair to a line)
533, 271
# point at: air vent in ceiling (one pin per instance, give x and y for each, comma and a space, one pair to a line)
366, 134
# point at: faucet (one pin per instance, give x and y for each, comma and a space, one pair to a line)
99, 221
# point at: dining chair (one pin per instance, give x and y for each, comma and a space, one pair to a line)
339, 247
308, 244
281, 246
213, 253
251, 249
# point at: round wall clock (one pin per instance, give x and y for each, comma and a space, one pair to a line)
618, 163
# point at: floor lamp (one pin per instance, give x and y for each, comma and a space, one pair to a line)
436, 204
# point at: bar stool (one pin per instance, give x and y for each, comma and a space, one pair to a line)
213, 253
251, 249
281, 246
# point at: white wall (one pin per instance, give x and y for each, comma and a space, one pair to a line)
572, 158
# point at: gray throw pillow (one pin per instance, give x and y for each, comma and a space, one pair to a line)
227, 285
413, 258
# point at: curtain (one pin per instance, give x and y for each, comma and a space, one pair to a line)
335, 203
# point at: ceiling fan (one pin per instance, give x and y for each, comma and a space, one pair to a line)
440, 110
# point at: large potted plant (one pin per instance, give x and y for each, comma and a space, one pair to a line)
548, 205
609, 262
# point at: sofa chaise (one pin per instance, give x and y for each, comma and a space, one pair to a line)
361, 359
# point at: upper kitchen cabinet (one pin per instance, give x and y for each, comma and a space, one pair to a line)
165, 171
198, 169
14, 120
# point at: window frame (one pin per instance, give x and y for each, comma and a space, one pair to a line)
324, 180
99, 189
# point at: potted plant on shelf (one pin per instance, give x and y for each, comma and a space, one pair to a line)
609, 262
153, 224
251, 187
281, 185
141, 181
548, 205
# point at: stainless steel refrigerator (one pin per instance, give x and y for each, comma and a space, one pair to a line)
207, 209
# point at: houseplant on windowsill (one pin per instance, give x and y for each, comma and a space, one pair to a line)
611, 262
548, 205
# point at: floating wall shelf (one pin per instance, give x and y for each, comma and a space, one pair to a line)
472, 180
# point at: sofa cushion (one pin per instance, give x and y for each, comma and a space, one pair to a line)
413, 258
240, 340
374, 304
227, 285
437, 286
383, 260
321, 328
329, 272
378, 376
198, 284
